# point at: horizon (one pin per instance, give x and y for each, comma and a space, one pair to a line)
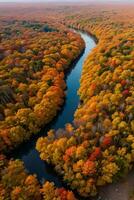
64, 1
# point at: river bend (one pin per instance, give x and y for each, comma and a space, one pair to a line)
27, 151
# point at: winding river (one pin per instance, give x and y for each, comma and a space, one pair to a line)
27, 151
30, 156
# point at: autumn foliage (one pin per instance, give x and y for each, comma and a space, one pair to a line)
98, 148
32, 84
16, 183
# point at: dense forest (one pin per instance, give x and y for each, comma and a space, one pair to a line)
97, 148
32, 77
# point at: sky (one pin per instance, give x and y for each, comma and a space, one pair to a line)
128, 1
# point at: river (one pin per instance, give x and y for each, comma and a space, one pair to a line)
27, 151
29, 155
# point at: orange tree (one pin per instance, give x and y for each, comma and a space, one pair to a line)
16, 183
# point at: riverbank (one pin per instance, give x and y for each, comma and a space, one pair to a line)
27, 152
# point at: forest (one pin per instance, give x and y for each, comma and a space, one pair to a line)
32, 78
37, 47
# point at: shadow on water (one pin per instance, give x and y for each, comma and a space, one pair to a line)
27, 151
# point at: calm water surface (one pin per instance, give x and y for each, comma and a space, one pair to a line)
26, 151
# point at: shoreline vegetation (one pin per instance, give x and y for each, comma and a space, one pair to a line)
50, 70
97, 149
39, 86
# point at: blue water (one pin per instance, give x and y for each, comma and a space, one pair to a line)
26, 151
